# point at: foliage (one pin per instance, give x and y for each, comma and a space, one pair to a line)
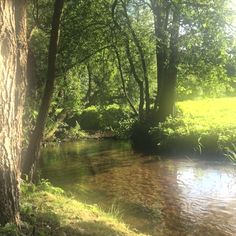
9, 230
112, 115
230, 153
202, 126
68, 133
87, 69
140, 136
43, 185
105, 118
90, 119
124, 130
208, 82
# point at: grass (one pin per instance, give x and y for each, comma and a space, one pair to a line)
46, 210
210, 113
230, 153
205, 126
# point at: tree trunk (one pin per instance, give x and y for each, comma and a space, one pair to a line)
161, 16
138, 81
123, 82
142, 59
167, 97
32, 154
89, 91
13, 56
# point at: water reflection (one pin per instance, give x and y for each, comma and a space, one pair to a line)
168, 197
209, 182
209, 195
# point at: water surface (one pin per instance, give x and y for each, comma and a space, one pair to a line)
155, 195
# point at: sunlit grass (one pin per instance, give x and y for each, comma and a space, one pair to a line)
49, 211
210, 112
203, 125
212, 117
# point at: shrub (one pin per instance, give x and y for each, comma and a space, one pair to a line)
90, 119
111, 116
125, 128
71, 133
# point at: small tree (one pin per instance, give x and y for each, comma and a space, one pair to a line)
32, 154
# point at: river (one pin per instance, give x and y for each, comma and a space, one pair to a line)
154, 194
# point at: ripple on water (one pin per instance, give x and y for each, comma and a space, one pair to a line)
167, 197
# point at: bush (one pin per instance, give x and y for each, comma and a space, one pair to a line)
71, 133
124, 131
111, 116
90, 119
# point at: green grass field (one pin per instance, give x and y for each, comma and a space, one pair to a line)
210, 113
202, 125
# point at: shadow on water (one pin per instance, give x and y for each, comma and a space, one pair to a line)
159, 196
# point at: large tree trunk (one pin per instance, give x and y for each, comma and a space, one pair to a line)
161, 17
32, 154
13, 56
167, 97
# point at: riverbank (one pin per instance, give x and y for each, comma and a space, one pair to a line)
46, 210
202, 127
205, 127
158, 195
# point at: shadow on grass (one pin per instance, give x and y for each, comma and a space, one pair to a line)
44, 225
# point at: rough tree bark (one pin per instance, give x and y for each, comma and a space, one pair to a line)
32, 154
13, 56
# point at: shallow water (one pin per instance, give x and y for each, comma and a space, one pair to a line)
155, 195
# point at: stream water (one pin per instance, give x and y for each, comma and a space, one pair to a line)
153, 194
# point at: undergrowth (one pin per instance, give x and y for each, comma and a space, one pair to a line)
47, 210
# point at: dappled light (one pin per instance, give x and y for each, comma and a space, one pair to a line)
117, 117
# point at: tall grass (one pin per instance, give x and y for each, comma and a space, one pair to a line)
230, 153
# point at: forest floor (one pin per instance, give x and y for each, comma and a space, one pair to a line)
46, 210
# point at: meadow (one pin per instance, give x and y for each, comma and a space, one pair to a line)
204, 126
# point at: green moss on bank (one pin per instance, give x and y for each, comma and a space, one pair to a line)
48, 211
